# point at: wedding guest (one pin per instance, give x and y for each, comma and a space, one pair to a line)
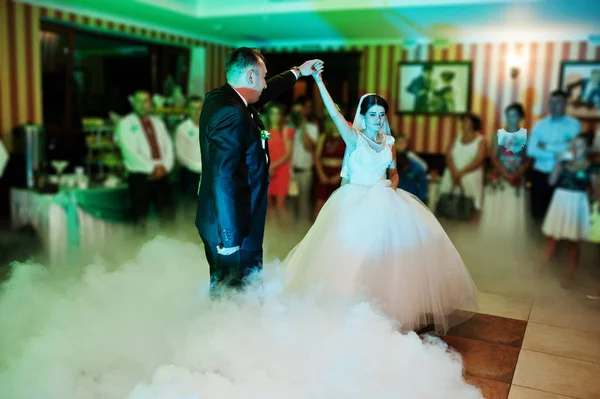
413, 177
465, 157
148, 156
568, 216
281, 144
305, 141
187, 149
329, 156
549, 137
506, 207
402, 144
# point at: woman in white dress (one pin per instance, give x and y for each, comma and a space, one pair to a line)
378, 241
465, 157
506, 208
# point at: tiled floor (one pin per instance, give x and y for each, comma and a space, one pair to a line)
545, 343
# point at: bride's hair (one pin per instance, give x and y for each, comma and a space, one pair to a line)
373, 99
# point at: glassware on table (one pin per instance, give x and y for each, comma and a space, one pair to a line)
59, 166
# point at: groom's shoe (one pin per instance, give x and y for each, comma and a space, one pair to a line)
428, 329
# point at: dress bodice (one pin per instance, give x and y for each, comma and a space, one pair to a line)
511, 148
367, 162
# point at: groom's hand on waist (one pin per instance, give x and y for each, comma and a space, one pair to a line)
227, 251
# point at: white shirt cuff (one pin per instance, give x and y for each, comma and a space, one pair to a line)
295, 73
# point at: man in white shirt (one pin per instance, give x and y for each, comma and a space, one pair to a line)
305, 141
148, 156
549, 137
187, 149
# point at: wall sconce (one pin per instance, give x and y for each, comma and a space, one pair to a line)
514, 63
514, 72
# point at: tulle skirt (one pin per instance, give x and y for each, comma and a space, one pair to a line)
387, 246
568, 217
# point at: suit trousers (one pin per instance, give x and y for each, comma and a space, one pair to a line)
541, 194
144, 192
231, 271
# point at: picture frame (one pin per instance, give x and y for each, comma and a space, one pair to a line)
581, 81
434, 87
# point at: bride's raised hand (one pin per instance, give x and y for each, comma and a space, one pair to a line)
317, 68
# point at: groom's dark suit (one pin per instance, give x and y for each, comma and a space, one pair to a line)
232, 202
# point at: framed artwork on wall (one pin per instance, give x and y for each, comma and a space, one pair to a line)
581, 80
434, 88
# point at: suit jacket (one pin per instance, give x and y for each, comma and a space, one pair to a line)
232, 202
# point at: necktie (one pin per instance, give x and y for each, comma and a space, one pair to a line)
151, 137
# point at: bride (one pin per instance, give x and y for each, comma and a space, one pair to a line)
378, 241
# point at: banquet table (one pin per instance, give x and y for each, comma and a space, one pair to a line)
73, 221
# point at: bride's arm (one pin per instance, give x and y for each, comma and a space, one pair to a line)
393, 171
348, 134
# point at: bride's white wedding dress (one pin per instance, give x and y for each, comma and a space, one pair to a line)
383, 244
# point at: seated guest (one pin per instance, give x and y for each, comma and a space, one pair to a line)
402, 146
147, 154
187, 149
413, 178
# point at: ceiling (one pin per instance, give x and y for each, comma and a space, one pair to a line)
310, 22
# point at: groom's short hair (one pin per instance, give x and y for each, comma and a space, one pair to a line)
241, 59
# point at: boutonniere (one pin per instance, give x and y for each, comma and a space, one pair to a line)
265, 135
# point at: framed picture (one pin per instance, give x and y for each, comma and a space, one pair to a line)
434, 88
581, 80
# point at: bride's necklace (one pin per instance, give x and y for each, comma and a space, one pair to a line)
376, 140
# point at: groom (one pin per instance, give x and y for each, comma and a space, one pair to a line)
232, 201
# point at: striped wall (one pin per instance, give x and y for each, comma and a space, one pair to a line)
20, 68
492, 89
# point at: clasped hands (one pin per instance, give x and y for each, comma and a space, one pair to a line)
158, 172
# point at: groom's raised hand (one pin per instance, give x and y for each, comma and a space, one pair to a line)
308, 67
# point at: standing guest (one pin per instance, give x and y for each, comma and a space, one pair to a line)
465, 157
281, 144
187, 149
413, 177
549, 137
506, 204
305, 141
568, 217
148, 156
328, 163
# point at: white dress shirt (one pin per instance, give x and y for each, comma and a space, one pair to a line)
187, 146
301, 157
137, 156
556, 135
3, 158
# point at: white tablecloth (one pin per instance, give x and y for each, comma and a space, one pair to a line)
49, 219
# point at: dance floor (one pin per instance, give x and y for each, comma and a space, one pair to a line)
490, 347
534, 337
